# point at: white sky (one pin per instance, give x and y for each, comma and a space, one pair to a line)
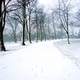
48, 3
52, 3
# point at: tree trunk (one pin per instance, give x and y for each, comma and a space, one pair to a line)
68, 38
30, 27
36, 26
24, 17
44, 32
48, 30
54, 31
67, 23
27, 29
2, 47
40, 31
37, 33
15, 37
30, 37
23, 42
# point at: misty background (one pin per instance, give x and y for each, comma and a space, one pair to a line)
40, 20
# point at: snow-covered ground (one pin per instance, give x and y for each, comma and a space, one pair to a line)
72, 50
50, 60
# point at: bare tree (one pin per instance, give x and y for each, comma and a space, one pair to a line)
30, 7
64, 16
29, 20
3, 6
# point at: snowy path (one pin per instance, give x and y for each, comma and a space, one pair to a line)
38, 61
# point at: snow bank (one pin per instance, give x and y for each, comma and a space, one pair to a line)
37, 61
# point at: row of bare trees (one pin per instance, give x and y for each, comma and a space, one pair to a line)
6, 8
20, 12
29, 19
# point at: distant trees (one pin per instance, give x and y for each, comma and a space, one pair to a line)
48, 21
23, 16
41, 23
39, 20
34, 22
53, 23
77, 17
14, 25
27, 8
30, 9
77, 22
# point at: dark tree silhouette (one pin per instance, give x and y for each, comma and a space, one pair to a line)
2, 24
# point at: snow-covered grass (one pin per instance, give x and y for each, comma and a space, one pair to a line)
71, 50
39, 61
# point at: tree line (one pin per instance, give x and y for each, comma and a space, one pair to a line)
28, 21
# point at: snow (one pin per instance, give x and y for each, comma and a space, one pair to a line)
71, 51
39, 61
